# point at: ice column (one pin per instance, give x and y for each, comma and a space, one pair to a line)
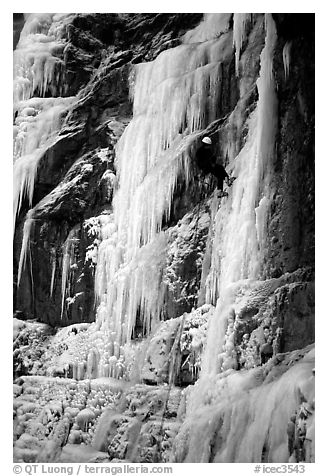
240, 22
29, 223
68, 263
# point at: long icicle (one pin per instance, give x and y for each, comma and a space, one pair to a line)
25, 249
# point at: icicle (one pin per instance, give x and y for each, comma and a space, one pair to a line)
286, 52
68, 261
136, 285
53, 269
29, 222
240, 22
80, 371
92, 364
24, 177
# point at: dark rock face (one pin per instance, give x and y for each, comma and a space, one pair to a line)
62, 210
118, 39
296, 306
46, 267
18, 20
290, 242
294, 25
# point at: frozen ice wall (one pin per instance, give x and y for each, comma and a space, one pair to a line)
236, 263
38, 67
38, 72
36, 125
175, 97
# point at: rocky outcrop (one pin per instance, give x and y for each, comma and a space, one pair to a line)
290, 242
65, 209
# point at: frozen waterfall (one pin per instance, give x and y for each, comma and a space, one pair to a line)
184, 349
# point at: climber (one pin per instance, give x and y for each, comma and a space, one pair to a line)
206, 161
